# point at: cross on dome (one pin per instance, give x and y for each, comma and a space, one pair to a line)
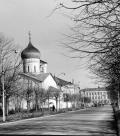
29, 33
30, 51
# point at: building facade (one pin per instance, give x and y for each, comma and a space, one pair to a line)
96, 95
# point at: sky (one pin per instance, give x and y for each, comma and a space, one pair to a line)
18, 17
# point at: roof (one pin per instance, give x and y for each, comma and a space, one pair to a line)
30, 52
43, 62
94, 89
60, 81
53, 89
38, 78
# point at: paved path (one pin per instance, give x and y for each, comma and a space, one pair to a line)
94, 122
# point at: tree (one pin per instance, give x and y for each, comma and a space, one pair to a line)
95, 36
27, 92
87, 100
41, 96
99, 21
56, 95
10, 66
73, 98
49, 95
67, 98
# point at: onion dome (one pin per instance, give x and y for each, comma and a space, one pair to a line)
30, 51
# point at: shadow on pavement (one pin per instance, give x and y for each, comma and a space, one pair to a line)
107, 128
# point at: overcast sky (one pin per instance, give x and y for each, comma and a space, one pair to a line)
17, 17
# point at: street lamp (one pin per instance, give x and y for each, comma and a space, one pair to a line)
3, 86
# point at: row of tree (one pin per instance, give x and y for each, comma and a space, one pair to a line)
96, 36
76, 99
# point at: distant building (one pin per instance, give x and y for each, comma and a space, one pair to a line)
67, 88
97, 95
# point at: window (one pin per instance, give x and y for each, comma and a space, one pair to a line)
42, 69
28, 69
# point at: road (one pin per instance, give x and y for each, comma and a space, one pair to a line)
95, 122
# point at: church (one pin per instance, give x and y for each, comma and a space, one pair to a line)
40, 88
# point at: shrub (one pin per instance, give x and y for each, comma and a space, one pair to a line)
1, 111
12, 111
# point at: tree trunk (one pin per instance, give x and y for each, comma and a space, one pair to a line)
56, 103
6, 106
28, 105
17, 106
67, 105
59, 102
36, 102
48, 104
42, 108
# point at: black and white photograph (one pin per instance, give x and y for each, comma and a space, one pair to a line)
60, 67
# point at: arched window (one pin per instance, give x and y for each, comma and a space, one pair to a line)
34, 68
28, 69
42, 69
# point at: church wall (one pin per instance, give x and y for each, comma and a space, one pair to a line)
49, 81
43, 68
31, 65
65, 105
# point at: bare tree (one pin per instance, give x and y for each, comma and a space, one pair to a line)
10, 66
41, 97
96, 36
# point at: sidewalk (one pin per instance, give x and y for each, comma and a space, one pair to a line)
39, 115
